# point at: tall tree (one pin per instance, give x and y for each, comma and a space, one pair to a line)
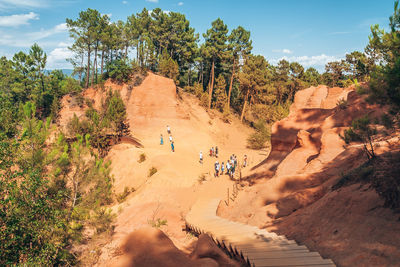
215, 49
240, 47
253, 78
85, 30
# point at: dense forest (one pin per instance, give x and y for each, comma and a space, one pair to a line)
53, 185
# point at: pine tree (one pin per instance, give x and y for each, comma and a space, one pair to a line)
220, 93
240, 47
215, 50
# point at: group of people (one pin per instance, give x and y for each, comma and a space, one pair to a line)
229, 167
170, 139
214, 152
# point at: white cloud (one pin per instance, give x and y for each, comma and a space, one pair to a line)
18, 19
57, 58
46, 33
180, 4
17, 39
7, 4
307, 61
284, 51
152, 1
124, 2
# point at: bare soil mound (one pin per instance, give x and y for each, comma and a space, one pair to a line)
148, 247
292, 192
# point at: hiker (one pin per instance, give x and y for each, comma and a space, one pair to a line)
172, 147
216, 151
222, 168
228, 167
210, 152
201, 157
216, 168
232, 171
244, 161
168, 129
170, 138
161, 140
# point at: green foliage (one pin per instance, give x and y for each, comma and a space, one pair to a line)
361, 174
361, 131
118, 70
387, 121
202, 178
102, 126
142, 157
220, 93
168, 67
342, 103
152, 171
157, 223
122, 196
382, 173
258, 139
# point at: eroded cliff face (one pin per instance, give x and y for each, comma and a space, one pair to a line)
291, 190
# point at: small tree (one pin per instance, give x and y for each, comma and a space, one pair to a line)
168, 67
361, 130
220, 93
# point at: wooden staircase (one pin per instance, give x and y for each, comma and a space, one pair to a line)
248, 244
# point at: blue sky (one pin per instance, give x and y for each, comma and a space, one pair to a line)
312, 32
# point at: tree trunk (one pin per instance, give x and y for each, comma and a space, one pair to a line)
189, 76
244, 105
88, 68
231, 84
211, 85
94, 65
81, 69
102, 61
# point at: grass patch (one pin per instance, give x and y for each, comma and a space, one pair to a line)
142, 157
157, 223
152, 171
122, 196
202, 178
258, 139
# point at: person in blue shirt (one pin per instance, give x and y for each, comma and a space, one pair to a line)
172, 147
161, 140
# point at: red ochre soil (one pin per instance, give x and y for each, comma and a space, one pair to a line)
172, 190
288, 190
291, 189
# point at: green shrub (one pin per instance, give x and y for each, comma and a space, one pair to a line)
204, 99
122, 196
201, 178
102, 219
118, 70
152, 171
387, 121
361, 130
258, 139
157, 223
142, 157
342, 103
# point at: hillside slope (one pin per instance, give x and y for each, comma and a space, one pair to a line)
170, 192
292, 193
